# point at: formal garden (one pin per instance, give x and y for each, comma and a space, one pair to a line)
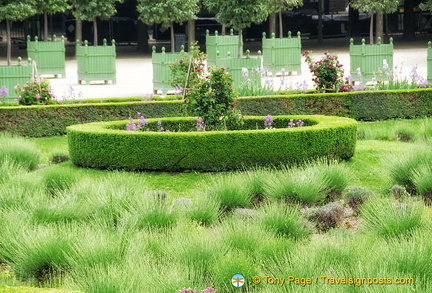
296, 190
238, 182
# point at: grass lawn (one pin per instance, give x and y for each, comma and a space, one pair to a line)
112, 231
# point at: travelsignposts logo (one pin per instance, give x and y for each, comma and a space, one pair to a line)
238, 280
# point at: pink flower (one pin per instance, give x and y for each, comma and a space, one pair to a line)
37, 97
199, 69
223, 68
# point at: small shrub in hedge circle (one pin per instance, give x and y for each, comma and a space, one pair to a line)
36, 91
212, 99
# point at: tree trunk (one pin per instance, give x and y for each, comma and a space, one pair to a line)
45, 26
9, 42
379, 25
78, 30
353, 23
272, 24
409, 30
95, 32
142, 39
239, 52
191, 33
223, 30
371, 36
280, 25
172, 37
320, 21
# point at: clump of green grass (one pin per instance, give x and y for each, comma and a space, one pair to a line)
403, 167
405, 134
153, 213
57, 179
230, 191
62, 209
389, 218
19, 150
422, 180
296, 186
230, 264
204, 211
425, 129
285, 220
40, 254
317, 182
240, 234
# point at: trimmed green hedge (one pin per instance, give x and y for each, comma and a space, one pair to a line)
50, 120
40, 121
101, 145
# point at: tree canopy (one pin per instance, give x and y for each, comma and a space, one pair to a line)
15, 10
380, 7
92, 9
276, 6
50, 7
240, 14
167, 12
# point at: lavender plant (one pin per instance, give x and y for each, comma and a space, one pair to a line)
3, 94
268, 122
200, 125
251, 85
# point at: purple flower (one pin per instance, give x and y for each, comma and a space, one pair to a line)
268, 121
291, 123
4, 92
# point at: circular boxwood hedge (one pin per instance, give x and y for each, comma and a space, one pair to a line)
107, 145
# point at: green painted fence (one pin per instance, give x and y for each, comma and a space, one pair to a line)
236, 67
283, 53
49, 56
368, 60
429, 62
161, 71
221, 46
96, 63
10, 76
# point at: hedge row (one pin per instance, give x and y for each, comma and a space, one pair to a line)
368, 105
101, 145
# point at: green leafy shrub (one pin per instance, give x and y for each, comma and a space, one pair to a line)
35, 91
327, 72
212, 99
186, 70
